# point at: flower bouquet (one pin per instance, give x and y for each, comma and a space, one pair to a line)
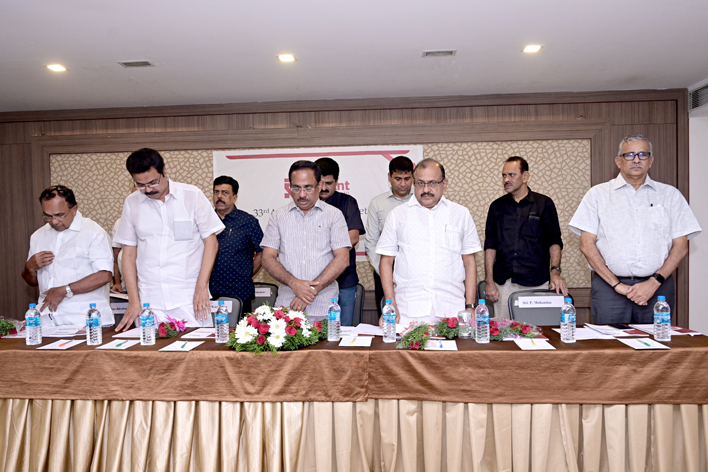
7, 327
502, 328
273, 329
321, 327
170, 328
415, 337
447, 327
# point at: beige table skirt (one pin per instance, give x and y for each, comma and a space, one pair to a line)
376, 435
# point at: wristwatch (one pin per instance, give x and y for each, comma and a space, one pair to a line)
659, 278
469, 305
556, 268
69, 293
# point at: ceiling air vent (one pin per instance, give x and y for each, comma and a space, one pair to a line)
131, 64
698, 98
440, 53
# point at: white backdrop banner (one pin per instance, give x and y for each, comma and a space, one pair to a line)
262, 175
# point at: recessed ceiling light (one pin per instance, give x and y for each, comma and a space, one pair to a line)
56, 68
143, 63
287, 58
440, 53
532, 48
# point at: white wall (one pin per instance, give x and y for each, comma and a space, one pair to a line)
698, 254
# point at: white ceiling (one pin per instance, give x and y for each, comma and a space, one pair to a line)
225, 51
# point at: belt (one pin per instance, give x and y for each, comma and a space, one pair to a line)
633, 277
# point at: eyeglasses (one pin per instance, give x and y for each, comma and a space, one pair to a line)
58, 217
142, 188
432, 184
629, 156
297, 190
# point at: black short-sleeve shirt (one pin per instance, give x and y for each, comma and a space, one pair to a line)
350, 208
522, 234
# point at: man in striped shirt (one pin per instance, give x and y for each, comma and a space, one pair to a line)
306, 245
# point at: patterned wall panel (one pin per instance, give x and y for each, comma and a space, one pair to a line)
559, 169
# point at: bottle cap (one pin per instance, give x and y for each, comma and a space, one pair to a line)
388, 301
334, 300
146, 305
32, 305
482, 301
92, 305
661, 298
568, 300
221, 302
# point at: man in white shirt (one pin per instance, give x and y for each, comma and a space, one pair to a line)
400, 176
168, 232
70, 259
433, 242
634, 232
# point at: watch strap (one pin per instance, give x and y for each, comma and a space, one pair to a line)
659, 278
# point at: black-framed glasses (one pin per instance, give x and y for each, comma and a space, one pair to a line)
142, 188
432, 184
642, 155
58, 217
298, 190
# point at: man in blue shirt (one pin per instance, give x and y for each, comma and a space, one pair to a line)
239, 256
350, 208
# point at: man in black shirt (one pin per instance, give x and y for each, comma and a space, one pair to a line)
350, 208
522, 240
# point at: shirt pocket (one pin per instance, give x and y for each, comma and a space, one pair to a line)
183, 230
532, 227
453, 238
658, 222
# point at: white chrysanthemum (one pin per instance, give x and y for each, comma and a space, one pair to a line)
277, 338
245, 334
296, 314
243, 323
306, 332
262, 310
265, 317
277, 325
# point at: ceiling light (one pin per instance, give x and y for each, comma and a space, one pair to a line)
532, 48
440, 53
56, 68
143, 63
286, 58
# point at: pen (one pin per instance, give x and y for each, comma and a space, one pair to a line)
64, 344
353, 341
183, 345
644, 342
119, 345
534, 343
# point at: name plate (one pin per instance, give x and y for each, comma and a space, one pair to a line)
215, 305
551, 301
120, 307
262, 292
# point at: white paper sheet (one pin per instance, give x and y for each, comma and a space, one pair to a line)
356, 341
119, 344
437, 345
182, 346
62, 331
200, 333
583, 334
527, 344
646, 343
131, 333
63, 344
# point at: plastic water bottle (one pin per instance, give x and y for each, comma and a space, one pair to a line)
481, 320
147, 326
94, 334
33, 325
389, 322
334, 316
662, 320
221, 320
568, 321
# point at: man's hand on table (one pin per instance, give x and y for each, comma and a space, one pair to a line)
131, 313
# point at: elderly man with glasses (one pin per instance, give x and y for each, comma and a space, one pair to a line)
433, 242
306, 245
168, 232
70, 260
633, 231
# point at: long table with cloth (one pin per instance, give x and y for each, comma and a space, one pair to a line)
592, 405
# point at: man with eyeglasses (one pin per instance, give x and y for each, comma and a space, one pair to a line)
522, 240
306, 245
168, 232
433, 242
70, 260
633, 231
349, 207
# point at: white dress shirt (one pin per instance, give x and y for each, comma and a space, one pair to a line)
305, 243
428, 245
119, 262
82, 249
169, 238
379, 208
634, 228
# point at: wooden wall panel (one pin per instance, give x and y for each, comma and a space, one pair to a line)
26, 139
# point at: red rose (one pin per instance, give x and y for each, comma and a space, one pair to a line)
12, 331
318, 326
287, 319
415, 345
279, 315
291, 331
172, 326
161, 330
263, 329
525, 329
492, 324
451, 322
298, 322
515, 324
426, 334
253, 321
494, 331
260, 339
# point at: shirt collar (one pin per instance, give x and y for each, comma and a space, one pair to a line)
318, 204
229, 215
619, 182
414, 202
77, 223
404, 199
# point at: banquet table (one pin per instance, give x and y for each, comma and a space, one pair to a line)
592, 405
